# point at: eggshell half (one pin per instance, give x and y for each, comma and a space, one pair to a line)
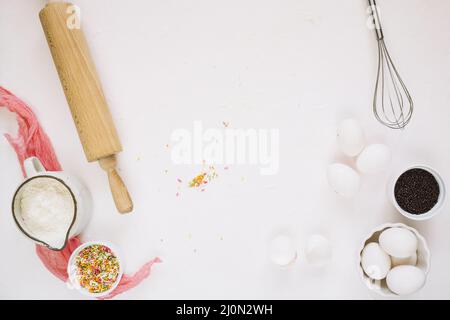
375, 262
282, 250
318, 250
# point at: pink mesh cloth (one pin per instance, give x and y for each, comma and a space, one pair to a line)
32, 141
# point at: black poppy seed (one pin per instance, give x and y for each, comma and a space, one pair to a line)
416, 191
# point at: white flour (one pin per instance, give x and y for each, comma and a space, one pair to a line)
47, 210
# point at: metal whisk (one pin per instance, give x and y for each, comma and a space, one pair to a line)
392, 103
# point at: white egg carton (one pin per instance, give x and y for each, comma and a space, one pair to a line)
423, 259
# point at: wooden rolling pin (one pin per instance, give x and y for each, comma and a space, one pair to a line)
84, 95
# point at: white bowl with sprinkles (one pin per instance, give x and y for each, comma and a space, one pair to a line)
95, 268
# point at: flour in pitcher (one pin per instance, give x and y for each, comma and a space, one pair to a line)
47, 210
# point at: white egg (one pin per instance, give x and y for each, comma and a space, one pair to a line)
350, 137
398, 242
282, 250
318, 250
404, 280
375, 262
343, 180
374, 158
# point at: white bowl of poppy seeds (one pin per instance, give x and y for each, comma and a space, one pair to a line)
418, 192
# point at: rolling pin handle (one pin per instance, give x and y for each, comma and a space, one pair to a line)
119, 191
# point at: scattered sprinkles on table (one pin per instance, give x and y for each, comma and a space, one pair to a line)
198, 181
97, 268
203, 178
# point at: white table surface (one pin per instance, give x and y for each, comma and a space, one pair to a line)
299, 66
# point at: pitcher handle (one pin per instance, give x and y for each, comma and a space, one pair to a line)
33, 166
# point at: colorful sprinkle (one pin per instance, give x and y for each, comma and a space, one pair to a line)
202, 179
97, 268
198, 181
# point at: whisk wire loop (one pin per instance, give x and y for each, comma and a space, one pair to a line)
392, 102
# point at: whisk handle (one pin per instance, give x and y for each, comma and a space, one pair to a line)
376, 19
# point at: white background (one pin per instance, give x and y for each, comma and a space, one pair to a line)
296, 65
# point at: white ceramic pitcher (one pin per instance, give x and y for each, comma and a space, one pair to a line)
79, 193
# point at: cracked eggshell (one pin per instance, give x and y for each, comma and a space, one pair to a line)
282, 250
374, 158
398, 242
375, 262
343, 180
318, 250
350, 137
